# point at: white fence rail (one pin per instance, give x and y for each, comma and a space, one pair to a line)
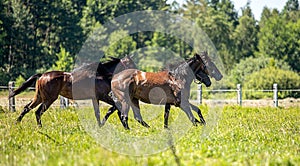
239, 91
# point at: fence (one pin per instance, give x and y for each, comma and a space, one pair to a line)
64, 102
239, 91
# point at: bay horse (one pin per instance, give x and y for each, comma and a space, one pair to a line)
168, 87
75, 85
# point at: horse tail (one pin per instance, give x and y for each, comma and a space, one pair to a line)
25, 85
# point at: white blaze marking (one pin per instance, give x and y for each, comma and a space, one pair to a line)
144, 77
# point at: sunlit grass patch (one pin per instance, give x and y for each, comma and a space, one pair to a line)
234, 135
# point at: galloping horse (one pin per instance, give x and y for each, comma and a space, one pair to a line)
165, 87
54, 83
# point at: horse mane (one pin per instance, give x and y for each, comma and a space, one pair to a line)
112, 61
97, 68
179, 69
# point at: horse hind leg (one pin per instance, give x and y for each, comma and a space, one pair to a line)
41, 110
166, 115
110, 111
32, 104
137, 113
124, 114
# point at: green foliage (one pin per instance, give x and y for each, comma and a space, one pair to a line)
279, 38
249, 65
19, 81
4, 78
37, 36
265, 78
120, 44
64, 61
233, 136
245, 36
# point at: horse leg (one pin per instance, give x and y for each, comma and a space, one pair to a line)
166, 115
137, 113
41, 110
32, 104
196, 109
97, 111
186, 108
124, 115
110, 111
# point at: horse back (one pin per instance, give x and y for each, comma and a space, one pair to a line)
50, 84
151, 78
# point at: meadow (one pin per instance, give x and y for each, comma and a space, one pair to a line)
233, 136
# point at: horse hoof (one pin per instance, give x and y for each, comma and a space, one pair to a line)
101, 125
146, 125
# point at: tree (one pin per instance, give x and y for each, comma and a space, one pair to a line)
65, 61
273, 38
291, 10
227, 7
217, 19
291, 5
279, 38
265, 15
120, 44
245, 35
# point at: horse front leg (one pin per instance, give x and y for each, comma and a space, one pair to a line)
97, 111
196, 109
166, 115
186, 108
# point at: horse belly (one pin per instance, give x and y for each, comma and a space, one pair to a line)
159, 95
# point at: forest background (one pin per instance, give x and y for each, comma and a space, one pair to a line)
38, 36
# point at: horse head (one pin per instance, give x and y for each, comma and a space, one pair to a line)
127, 62
203, 78
211, 68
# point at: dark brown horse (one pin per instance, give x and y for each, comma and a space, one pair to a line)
90, 81
169, 87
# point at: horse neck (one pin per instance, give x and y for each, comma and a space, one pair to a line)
184, 72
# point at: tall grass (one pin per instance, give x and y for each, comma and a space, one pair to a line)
240, 136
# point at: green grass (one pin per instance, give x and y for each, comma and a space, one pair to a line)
233, 135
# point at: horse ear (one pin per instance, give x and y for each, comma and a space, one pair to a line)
204, 57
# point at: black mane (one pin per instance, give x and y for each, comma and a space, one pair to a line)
97, 68
181, 70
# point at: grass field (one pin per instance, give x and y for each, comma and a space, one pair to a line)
237, 136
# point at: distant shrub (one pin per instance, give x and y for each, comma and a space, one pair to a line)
265, 78
249, 65
19, 81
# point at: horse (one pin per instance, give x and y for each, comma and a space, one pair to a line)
168, 87
76, 85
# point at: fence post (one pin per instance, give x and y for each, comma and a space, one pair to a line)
64, 102
199, 94
239, 94
275, 96
11, 101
